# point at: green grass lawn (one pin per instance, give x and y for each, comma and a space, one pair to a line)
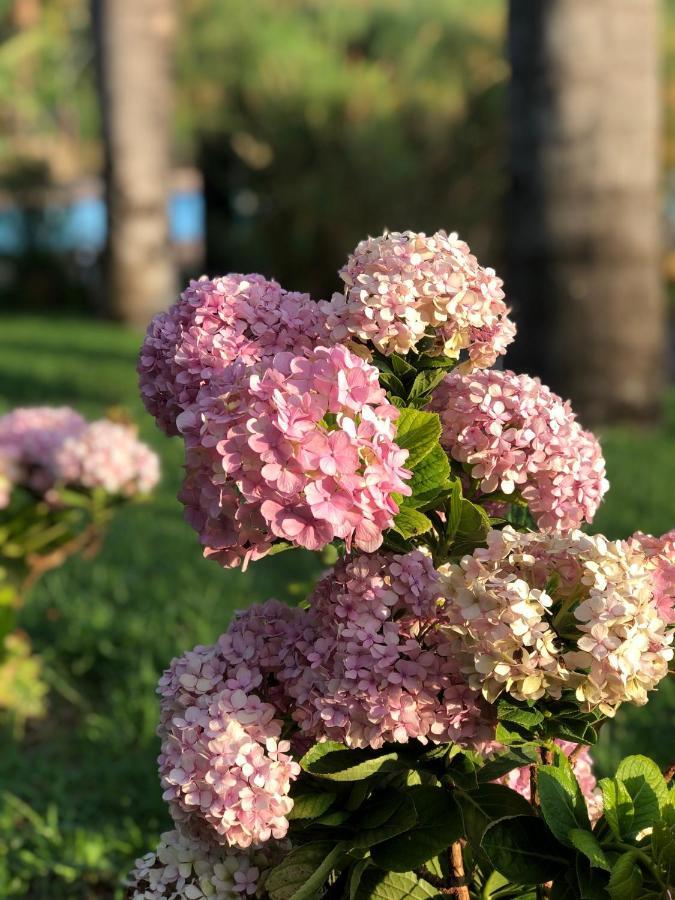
81, 797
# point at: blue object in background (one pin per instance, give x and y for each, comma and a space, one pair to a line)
81, 225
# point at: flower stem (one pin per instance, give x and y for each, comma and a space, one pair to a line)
458, 886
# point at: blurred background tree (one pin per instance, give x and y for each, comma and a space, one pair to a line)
134, 53
584, 242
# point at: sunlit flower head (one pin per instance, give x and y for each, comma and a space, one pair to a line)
406, 291
534, 615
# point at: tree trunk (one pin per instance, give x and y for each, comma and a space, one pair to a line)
584, 222
134, 41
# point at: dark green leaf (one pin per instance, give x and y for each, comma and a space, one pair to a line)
648, 791
337, 763
355, 877
439, 823
310, 804
384, 816
400, 366
378, 885
591, 882
523, 850
562, 803
418, 432
626, 878
618, 809
486, 804
393, 384
303, 865
506, 762
587, 843
508, 711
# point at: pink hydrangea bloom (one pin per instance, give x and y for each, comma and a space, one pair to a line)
185, 868
517, 435
224, 768
31, 435
519, 779
301, 451
107, 455
661, 555
537, 614
219, 320
376, 671
402, 287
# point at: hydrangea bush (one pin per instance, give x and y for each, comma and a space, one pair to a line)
420, 727
61, 478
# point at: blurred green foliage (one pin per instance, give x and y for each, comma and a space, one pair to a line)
79, 796
320, 123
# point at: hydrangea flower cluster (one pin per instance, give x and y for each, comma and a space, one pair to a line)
515, 434
660, 553
42, 446
302, 451
225, 770
184, 868
377, 670
401, 288
537, 614
218, 321
293, 438
520, 780
107, 455
30, 436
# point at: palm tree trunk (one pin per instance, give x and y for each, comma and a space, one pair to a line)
584, 221
134, 42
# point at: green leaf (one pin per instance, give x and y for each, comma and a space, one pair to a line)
424, 384
355, 877
572, 729
377, 885
439, 823
453, 508
591, 881
400, 366
523, 850
410, 522
417, 432
626, 878
506, 762
427, 361
663, 844
310, 804
472, 529
337, 763
562, 803
512, 734
430, 477
618, 809
309, 864
386, 815
393, 384
508, 711
587, 843
648, 790
486, 804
